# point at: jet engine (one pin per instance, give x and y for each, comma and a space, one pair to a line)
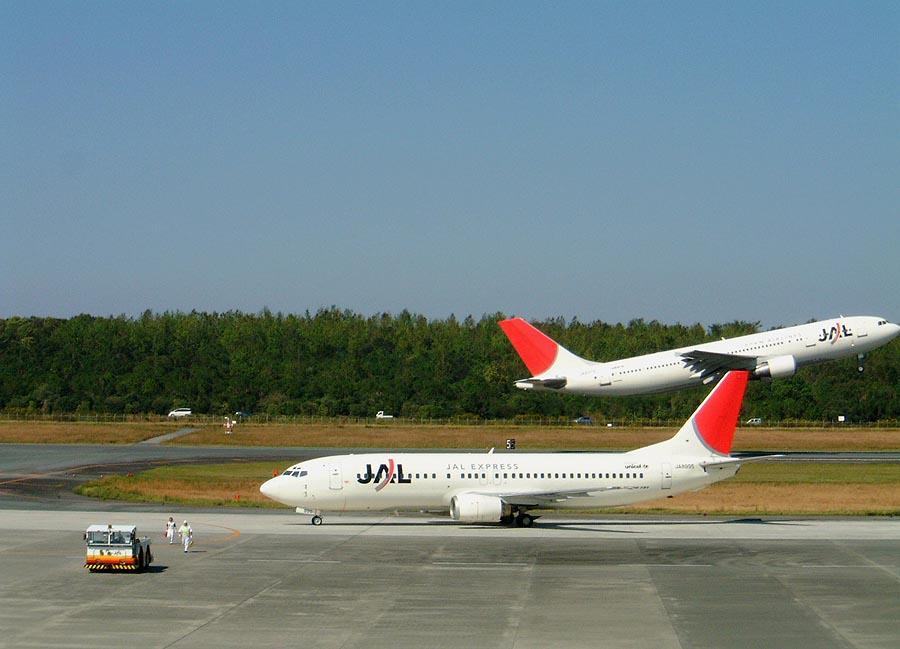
476, 508
776, 367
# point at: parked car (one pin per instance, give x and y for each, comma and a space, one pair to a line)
754, 421
241, 415
584, 420
180, 412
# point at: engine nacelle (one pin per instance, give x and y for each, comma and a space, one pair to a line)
476, 508
776, 368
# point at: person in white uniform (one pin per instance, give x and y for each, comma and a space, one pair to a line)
187, 535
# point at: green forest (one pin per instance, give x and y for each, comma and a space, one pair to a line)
340, 363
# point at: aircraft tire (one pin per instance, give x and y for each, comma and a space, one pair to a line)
316, 520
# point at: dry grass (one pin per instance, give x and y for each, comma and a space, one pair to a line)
49, 432
471, 437
776, 488
467, 437
232, 484
735, 498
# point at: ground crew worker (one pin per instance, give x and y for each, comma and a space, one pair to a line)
170, 530
187, 535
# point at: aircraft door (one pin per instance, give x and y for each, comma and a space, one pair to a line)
666, 475
335, 480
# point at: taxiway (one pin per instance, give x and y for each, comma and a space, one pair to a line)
271, 579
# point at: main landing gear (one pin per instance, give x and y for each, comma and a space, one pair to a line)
316, 520
520, 519
524, 520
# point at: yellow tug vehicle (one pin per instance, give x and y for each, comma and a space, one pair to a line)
116, 547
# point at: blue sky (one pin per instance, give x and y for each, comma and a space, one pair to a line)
691, 162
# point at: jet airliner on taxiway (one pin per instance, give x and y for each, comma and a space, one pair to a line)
772, 354
502, 487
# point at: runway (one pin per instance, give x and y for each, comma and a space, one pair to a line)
270, 579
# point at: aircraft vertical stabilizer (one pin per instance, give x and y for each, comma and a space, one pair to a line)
543, 356
710, 430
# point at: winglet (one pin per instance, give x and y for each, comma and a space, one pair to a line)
535, 348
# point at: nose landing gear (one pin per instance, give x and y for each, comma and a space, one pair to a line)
860, 363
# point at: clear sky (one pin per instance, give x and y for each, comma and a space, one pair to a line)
685, 162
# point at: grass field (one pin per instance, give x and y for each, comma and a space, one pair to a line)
51, 432
473, 437
569, 438
759, 488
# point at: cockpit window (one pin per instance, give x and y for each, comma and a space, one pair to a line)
294, 473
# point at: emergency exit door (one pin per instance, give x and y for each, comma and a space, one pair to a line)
334, 478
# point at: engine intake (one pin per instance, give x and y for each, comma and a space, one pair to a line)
476, 508
776, 367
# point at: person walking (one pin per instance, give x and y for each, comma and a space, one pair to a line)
187, 535
170, 530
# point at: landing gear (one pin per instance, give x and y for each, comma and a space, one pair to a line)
860, 363
316, 520
524, 520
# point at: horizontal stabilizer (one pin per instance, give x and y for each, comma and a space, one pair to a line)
736, 460
548, 384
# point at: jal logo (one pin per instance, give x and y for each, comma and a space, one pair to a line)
385, 475
834, 334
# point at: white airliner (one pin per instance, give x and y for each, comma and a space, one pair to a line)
502, 487
772, 354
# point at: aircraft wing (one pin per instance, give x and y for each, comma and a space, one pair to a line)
713, 362
549, 498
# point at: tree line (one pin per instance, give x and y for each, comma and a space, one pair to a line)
336, 362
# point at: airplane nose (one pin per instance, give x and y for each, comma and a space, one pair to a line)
281, 489
271, 488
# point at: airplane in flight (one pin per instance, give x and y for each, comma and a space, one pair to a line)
503, 487
772, 354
